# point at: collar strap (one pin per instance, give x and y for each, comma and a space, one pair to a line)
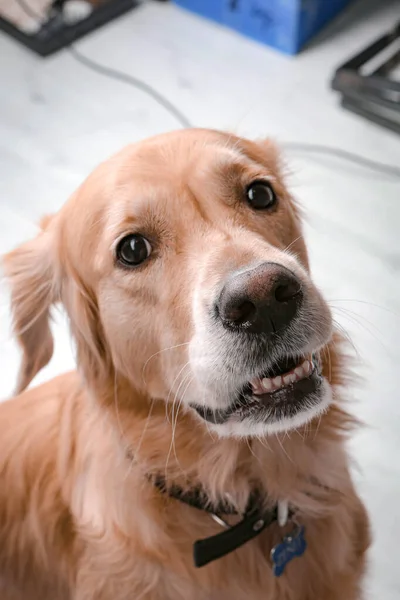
255, 520
197, 498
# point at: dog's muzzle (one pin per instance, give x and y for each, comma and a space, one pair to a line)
262, 331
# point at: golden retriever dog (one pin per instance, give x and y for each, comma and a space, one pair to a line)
198, 451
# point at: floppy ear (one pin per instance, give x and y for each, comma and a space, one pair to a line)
86, 328
31, 274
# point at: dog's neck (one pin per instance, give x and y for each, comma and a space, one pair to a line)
297, 465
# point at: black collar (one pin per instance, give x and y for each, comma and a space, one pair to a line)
256, 518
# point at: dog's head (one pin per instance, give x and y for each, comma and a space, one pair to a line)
182, 267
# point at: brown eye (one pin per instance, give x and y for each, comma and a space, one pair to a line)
132, 250
261, 195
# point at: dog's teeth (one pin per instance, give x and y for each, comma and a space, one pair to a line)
267, 384
277, 382
289, 378
256, 386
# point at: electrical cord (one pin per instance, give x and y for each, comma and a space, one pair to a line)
385, 169
134, 82
361, 161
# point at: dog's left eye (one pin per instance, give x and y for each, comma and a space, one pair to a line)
261, 195
132, 250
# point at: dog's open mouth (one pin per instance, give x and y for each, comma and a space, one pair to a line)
292, 385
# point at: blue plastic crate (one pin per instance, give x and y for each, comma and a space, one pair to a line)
283, 24
208, 8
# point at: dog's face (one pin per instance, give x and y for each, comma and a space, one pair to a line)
182, 260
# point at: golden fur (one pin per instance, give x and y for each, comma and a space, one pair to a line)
79, 520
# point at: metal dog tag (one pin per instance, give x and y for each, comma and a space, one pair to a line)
291, 546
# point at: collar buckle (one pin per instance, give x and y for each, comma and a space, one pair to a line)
209, 549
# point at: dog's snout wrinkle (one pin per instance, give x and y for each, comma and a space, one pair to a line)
264, 299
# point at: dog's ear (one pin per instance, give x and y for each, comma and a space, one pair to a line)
86, 328
31, 272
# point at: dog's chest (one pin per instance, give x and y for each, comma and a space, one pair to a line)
247, 572
301, 571
166, 570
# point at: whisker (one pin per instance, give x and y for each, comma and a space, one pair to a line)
172, 387
146, 425
318, 426
384, 308
291, 243
159, 352
263, 442
326, 349
354, 317
117, 410
210, 432
174, 421
184, 377
283, 449
252, 451
346, 334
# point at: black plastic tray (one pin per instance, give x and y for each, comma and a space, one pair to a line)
375, 96
54, 35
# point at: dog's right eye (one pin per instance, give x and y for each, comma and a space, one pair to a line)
261, 195
132, 250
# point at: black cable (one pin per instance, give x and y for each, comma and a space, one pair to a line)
389, 170
361, 161
133, 81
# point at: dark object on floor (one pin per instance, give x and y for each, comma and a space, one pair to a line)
368, 90
55, 33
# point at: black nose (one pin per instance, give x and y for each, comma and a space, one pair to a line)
261, 300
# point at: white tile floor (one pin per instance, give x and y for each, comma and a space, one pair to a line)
57, 120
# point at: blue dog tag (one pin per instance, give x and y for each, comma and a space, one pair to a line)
291, 546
